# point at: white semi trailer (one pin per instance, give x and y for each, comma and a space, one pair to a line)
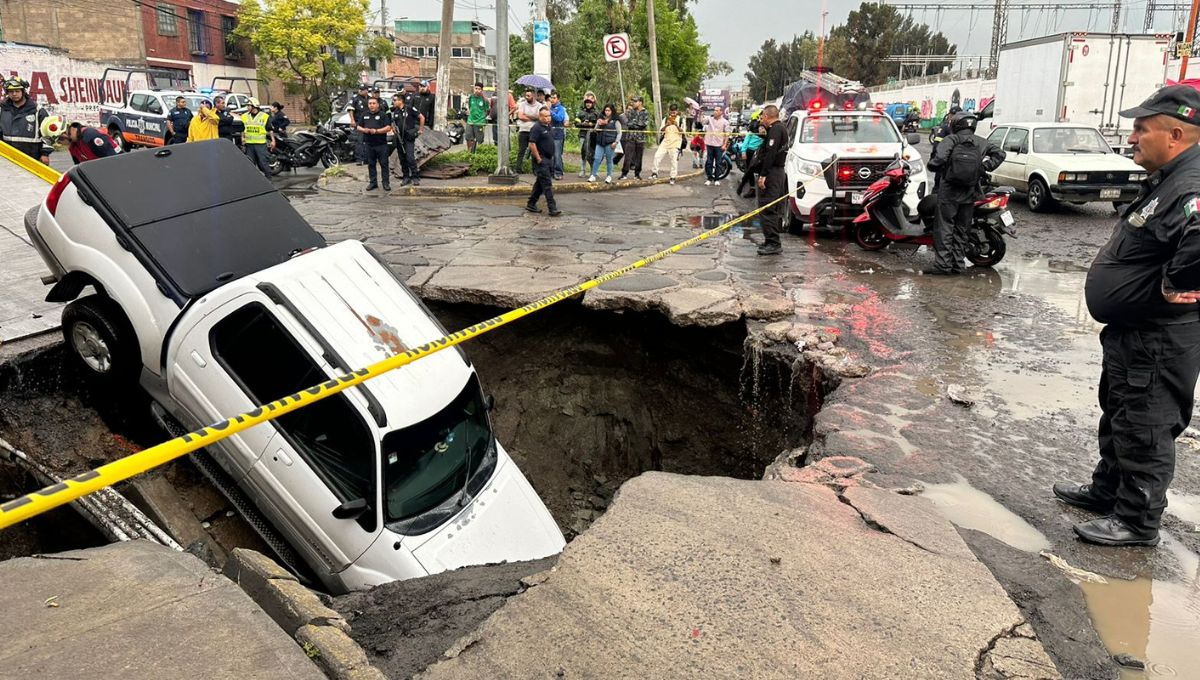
1084, 78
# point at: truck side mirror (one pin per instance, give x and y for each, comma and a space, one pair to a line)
350, 509
489, 402
913, 139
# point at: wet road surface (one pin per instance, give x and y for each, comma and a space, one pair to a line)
1020, 339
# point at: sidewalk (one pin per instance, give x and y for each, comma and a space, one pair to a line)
23, 311
137, 610
355, 180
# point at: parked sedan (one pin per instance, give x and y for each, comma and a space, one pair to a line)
1053, 162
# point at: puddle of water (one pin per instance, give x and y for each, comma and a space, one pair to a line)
970, 508
1155, 620
1185, 506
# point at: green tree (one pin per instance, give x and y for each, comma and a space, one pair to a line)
777, 65
859, 48
313, 46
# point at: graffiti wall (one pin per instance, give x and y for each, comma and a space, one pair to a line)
73, 87
933, 100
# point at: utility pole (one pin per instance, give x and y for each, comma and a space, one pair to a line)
502, 175
383, 23
1148, 23
1116, 17
1190, 39
999, 32
442, 104
654, 89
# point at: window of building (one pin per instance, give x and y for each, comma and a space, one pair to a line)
372, 64
330, 434
165, 16
196, 31
461, 52
228, 25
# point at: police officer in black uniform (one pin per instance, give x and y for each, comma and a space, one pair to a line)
956, 199
944, 130
374, 125
772, 179
358, 109
1144, 285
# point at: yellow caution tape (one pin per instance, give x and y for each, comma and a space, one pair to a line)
33, 165
30, 505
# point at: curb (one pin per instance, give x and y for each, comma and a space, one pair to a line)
322, 632
516, 190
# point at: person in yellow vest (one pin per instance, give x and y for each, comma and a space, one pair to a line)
256, 135
204, 125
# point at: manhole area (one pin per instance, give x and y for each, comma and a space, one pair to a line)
586, 400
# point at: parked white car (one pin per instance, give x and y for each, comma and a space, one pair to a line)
220, 300
865, 142
1065, 162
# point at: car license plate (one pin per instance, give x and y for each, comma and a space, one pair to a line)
856, 198
1006, 218
1110, 193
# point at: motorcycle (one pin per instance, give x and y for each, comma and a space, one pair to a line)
911, 126
884, 221
304, 149
455, 129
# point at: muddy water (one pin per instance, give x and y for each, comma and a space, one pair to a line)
970, 508
1154, 620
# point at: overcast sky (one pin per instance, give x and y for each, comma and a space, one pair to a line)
735, 29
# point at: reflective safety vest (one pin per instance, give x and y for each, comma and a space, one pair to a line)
256, 128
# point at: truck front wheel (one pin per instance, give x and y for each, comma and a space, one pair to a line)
100, 337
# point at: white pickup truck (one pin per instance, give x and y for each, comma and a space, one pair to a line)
865, 142
222, 298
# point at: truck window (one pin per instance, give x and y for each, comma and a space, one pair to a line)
848, 130
140, 102
154, 106
426, 463
269, 364
1015, 142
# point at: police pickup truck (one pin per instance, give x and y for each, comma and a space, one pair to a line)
221, 300
141, 119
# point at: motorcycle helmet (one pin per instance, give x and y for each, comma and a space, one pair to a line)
15, 83
955, 109
965, 121
53, 127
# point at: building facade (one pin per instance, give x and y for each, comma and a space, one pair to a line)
191, 39
469, 61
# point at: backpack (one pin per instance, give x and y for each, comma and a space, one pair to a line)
965, 166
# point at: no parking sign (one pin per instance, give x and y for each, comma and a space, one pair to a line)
616, 47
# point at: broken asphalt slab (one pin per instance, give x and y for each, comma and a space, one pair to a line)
137, 610
710, 577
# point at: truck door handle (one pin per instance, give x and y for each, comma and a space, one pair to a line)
282, 457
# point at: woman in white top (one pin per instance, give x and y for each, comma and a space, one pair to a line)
669, 144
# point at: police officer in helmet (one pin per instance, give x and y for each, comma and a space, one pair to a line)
944, 130
21, 121
1145, 286
961, 161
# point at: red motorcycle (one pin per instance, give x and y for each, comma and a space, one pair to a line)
884, 220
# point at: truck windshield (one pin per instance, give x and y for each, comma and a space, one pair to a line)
1069, 140
427, 463
848, 130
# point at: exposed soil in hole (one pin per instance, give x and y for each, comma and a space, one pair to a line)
588, 399
46, 411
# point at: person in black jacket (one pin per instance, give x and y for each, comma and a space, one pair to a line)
407, 124
225, 126
424, 103
956, 195
1145, 285
21, 120
374, 125
585, 120
279, 120
606, 142
635, 120
772, 179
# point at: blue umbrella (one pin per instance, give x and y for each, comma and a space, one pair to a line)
536, 82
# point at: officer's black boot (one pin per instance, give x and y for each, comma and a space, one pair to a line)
1112, 530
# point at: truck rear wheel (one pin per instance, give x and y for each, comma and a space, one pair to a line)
101, 339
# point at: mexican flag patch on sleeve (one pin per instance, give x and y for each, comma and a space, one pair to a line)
1191, 206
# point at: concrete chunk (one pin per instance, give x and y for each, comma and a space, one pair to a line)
336, 653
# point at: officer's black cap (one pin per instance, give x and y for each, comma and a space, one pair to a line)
1181, 102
